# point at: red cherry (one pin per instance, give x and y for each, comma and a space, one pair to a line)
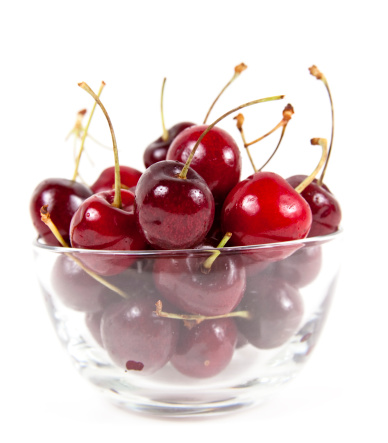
263, 209
183, 283
97, 224
217, 158
324, 206
106, 180
63, 198
173, 212
157, 150
206, 349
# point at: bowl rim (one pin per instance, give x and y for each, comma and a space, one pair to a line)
311, 241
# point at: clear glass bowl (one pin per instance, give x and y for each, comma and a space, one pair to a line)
144, 337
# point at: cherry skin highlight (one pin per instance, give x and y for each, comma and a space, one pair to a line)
217, 158
63, 198
326, 211
157, 150
173, 213
106, 180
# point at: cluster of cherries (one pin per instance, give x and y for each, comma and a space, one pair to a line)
192, 308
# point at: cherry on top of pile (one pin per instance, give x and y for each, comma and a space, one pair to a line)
190, 193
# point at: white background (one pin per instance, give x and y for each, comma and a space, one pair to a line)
48, 47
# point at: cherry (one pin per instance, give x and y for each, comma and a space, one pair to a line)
105, 182
199, 284
325, 208
97, 224
157, 150
263, 209
78, 290
173, 213
217, 158
135, 337
106, 220
301, 268
276, 310
63, 197
175, 209
205, 349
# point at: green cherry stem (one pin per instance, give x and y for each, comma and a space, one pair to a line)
319, 76
185, 169
308, 180
117, 199
85, 133
207, 264
165, 132
197, 318
239, 123
237, 71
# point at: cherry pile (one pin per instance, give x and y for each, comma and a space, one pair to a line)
194, 305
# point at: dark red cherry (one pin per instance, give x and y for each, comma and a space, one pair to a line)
97, 224
63, 198
135, 337
106, 180
276, 310
183, 282
173, 213
157, 150
264, 209
206, 349
324, 206
217, 158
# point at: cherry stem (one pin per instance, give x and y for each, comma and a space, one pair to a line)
183, 173
46, 218
85, 133
240, 121
319, 76
237, 71
117, 199
207, 264
308, 180
165, 132
77, 129
277, 147
197, 318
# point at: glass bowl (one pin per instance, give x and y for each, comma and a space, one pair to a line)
169, 333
